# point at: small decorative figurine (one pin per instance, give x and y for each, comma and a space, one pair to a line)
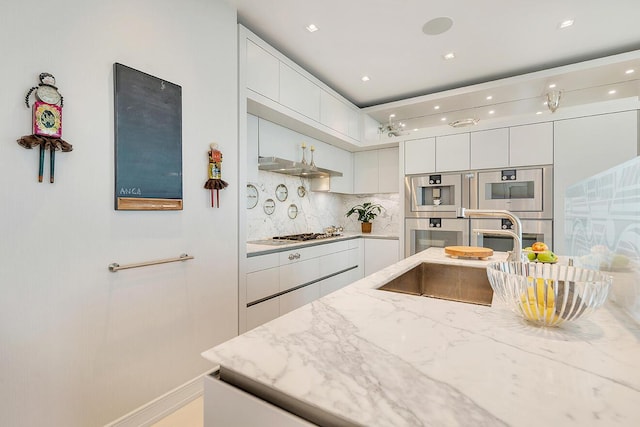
47, 122
215, 181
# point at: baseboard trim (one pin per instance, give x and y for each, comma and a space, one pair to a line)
159, 408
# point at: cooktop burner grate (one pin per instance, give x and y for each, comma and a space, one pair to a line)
302, 237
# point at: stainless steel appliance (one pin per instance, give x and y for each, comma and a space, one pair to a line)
423, 233
533, 230
528, 192
436, 195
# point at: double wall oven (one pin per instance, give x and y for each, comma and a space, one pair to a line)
431, 202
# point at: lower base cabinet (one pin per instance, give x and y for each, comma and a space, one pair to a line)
379, 253
226, 405
281, 282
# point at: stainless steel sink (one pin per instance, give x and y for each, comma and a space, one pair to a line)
451, 282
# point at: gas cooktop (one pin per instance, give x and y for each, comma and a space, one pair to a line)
303, 237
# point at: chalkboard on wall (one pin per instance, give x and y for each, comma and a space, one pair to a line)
148, 141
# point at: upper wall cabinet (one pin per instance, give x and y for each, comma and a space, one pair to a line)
531, 144
277, 141
263, 71
490, 149
281, 90
376, 171
299, 93
339, 116
420, 156
452, 152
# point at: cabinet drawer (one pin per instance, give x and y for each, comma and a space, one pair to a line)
262, 262
334, 283
330, 264
263, 283
302, 254
263, 312
294, 299
299, 273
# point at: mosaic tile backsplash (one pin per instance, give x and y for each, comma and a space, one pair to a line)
316, 210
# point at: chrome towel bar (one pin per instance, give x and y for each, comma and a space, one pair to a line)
113, 267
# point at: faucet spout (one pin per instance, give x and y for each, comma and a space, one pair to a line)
489, 213
516, 254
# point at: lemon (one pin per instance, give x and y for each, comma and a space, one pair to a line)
534, 304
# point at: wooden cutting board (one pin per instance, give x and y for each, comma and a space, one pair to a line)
468, 252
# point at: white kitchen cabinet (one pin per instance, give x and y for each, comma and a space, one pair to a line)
263, 312
286, 280
376, 171
299, 297
298, 273
366, 170
278, 141
452, 152
226, 405
334, 158
354, 123
299, 93
489, 149
370, 128
389, 173
252, 148
262, 283
334, 113
262, 71
379, 253
584, 147
531, 144
420, 156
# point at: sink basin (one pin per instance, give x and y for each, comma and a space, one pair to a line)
450, 282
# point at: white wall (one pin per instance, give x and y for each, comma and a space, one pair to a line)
79, 345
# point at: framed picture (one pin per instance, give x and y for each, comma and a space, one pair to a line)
148, 141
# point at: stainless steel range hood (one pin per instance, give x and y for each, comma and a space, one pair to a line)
289, 167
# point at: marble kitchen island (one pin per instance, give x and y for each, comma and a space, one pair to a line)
362, 356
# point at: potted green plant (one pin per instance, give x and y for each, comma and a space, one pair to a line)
366, 213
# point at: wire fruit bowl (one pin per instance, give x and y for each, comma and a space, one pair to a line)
549, 294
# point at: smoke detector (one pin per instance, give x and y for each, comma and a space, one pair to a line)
464, 122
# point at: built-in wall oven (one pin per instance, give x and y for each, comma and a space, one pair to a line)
533, 230
527, 192
423, 233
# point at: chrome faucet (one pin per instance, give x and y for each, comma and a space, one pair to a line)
516, 234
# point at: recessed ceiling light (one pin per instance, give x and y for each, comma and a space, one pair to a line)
538, 112
365, 78
489, 98
391, 116
436, 107
552, 85
612, 91
449, 55
491, 111
444, 119
566, 23
312, 28
629, 71
416, 130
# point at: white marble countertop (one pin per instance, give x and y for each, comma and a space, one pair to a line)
379, 358
256, 248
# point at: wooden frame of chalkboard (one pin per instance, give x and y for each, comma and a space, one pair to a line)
148, 141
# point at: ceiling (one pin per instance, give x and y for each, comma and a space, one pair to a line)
511, 51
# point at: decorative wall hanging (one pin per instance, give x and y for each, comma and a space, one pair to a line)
282, 192
215, 181
252, 196
47, 123
148, 141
